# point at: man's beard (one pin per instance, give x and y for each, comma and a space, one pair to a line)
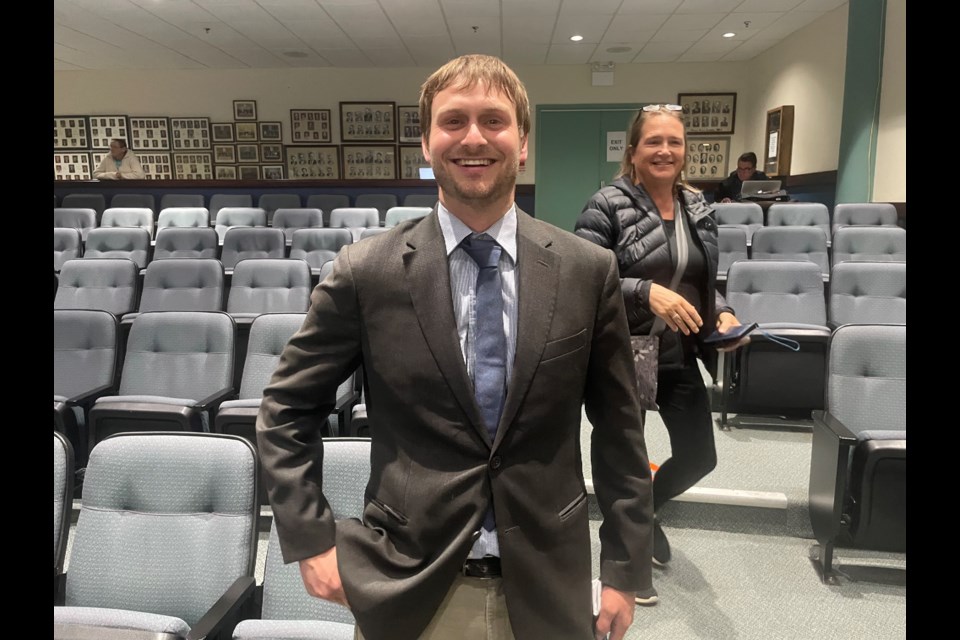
474, 194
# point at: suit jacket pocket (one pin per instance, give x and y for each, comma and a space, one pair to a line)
564, 346
387, 509
571, 508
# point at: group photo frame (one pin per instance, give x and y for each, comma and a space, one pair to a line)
74, 165
708, 113
193, 166
408, 124
248, 172
222, 132
103, 129
272, 171
244, 109
368, 121
369, 162
226, 172
248, 153
310, 126
246, 131
70, 132
270, 131
319, 162
271, 152
224, 153
707, 158
151, 133
190, 133
410, 161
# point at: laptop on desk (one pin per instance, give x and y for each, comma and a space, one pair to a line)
762, 190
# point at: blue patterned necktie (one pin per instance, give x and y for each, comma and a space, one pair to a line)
490, 343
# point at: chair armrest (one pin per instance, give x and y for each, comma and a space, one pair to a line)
88, 398
828, 421
93, 632
212, 402
225, 611
829, 462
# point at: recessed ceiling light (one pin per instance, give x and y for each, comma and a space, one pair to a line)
576, 38
729, 34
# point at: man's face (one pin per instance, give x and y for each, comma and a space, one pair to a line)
475, 147
116, 151
745, 170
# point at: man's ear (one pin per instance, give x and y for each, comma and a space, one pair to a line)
425, 147
523, 149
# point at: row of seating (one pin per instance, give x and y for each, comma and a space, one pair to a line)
269, 202
855, 243
749, 215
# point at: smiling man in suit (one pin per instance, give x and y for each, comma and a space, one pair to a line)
481, 332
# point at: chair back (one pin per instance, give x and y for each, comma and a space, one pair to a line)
382, 202
871, 244
94, 201
67, 245
732, 244
168, 523
270, 202
269, 334
777, 291
269, 285
183, 217
244, 243
81, 219
864, 213
327, 202
428, 200
169, 200
229, 217
119, 242
792, 243
183, 284
318, 246
354, 217
109, 284
185, 242
135, 200
62, 497
799, 214
396, 215
128, 217
220, 200
84, 351
868, 293
298, 218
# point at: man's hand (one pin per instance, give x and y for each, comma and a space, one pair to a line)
616, 613
321, 577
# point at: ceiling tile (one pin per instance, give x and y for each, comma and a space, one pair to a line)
569, 54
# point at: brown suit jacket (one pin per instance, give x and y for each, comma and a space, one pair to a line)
387, 306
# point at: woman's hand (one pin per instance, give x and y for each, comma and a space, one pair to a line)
725, 322
679, 314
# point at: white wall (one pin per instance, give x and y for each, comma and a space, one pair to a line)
890, 177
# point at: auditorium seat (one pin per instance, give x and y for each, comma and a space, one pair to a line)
792, 243
356, 219
231, 200
289, 220
181, 200
382, 202
396, 215
428, 200
135, 200
327, 202
119, 242
744, 215
270, 202
95, 201
868, 293
67, 245
81, 219
181, 284
183, 217
108, 284
63, 470
229, 217
864, 213
128, 217
318, 246
245, 243
800, 214
871, 244
185, 242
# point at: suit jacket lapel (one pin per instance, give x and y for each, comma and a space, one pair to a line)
537, 281
428, 280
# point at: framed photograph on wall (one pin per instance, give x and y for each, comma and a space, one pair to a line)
369, 162
244, 109
272, 171
222, 131
190, 133
193, 166
270, 132
367, 121
226, 172
156, 166
103, 129
74, 165
70, 132
708, 112
224, 153
150, 134
707, 158
248, 153
247, 131
271, 152
309, 126
320, 162
248, 172
410, 161
408, 124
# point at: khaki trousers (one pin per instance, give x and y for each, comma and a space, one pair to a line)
473, 609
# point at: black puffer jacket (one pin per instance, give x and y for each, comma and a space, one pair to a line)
622, 217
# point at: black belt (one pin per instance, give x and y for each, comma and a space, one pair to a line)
488, 567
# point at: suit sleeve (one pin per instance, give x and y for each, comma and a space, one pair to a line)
621, 469
300, 396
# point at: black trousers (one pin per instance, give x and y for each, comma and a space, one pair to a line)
685, 410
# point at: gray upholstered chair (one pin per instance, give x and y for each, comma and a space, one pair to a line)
373, 231
792, 243
382, 202
325, 270
318, 246
245, 243
763, 378
858, 464
732, 244
183, 217
95, 201
181, 284
868, 293
428, 200
185, 242
128, 217
745, 215
327, 202
82, 219
67, 245
84, 369
299, 218
270, 202
167, 530
864, 213
119, 242
800, 214
177, 369
135, 200
181, 200
396, 215
355, 219
110, 284
266, 285
230, 217
63, 470
872, 244
229, 200
288, 611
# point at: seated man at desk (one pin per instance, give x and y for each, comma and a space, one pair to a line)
729, 189
120, 164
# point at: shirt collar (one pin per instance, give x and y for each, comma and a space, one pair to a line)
504, 230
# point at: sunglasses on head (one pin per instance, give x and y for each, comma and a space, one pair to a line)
662, 107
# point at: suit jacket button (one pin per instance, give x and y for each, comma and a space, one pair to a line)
495, 462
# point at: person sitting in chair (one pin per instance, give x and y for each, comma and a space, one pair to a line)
729, 189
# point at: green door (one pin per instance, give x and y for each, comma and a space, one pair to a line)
572, 156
